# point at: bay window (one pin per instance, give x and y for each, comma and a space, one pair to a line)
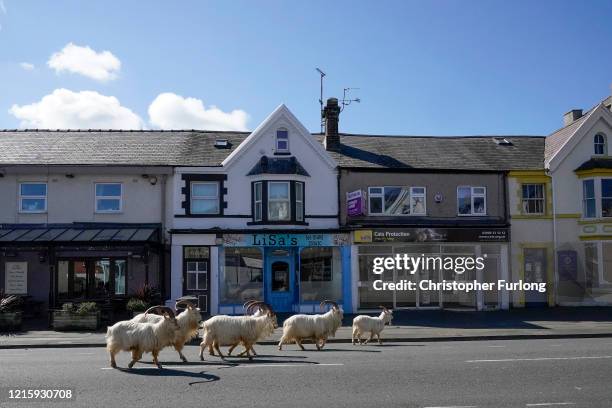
278, 202
606, 197
392, 200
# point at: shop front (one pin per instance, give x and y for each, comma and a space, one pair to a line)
452, 245
291, 272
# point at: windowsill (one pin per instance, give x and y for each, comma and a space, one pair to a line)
277, 223
32, 212
472, 215
108, 212
282, 153
397, 215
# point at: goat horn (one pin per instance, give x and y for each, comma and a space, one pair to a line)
169, 311
247, 306
253, 304
330, 302
384, 308
184, 302
152, 309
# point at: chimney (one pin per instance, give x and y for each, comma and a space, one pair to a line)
572, 116
331, 114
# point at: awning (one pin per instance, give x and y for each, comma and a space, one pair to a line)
74, 233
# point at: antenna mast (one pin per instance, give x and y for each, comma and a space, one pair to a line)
322, 74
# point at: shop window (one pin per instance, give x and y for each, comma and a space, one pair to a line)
242, 276
606, 197
391, 200
282, 141
205, 197
471, 200
120, 276
108, 197
96, 278
533, 198
591, 265
278, 201
588, 199
320, 274
101, 278
599, 144
32, 197
607, 262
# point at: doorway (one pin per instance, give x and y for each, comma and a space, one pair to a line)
535, 267
280, 279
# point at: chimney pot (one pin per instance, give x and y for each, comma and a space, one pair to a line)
572, 116
331, 114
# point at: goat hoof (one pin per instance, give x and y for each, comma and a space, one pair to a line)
184, 359
159, 366
113, 364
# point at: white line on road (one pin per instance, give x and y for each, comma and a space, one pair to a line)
549, 404
455, 406
496, 346
506, 360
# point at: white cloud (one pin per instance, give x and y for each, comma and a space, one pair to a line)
65, 109
172, 111
2, 7
27, 66
101, 66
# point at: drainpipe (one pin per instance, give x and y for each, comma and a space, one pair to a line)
555, 261
161, 268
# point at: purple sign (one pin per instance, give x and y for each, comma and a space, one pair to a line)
354, 203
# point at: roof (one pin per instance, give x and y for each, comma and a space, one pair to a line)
278, 165
90, 233
556, 140
197, 148
480, 153
596, 163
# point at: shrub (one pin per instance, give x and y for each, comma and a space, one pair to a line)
87, 308
149, 294
137, 305
9, 303
68, 307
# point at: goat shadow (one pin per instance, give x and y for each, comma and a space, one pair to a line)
170, 372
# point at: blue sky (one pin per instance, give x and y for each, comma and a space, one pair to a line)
423, 68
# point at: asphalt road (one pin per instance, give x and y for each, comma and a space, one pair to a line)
514, 373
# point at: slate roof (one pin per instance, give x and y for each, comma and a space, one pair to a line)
196, 148
278, 165
558, 138
596, 163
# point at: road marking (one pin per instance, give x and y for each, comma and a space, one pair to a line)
496, 346
455, 406
549, 404
507, 360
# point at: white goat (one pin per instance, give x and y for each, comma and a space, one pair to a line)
141, 338
315, 327
375, 325
224, 330
262, 309
188, 321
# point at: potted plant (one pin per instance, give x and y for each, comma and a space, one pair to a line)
149, 294
84, 317
136, 306
10, 312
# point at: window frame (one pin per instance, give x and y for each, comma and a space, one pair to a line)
277, 149
381, 195
258, 185
276, 200
299, 214
600, 144
473, 195
585, 199
97, 197
602, 198
526, 200
21, 197
216, 197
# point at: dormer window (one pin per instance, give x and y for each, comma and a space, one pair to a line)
599, 142
282, 141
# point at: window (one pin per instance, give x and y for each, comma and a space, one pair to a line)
606, 197
258, 201
282, 141
599, 142
320, 274
588, 199
471, 200
533, 198
95, 278
204, 198
196, 261
279, 201
299, 201
390, 200
108, 197
33, 197
241, 279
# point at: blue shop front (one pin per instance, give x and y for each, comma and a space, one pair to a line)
291, 272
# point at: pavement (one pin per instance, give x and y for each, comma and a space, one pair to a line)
407, 326
476, 374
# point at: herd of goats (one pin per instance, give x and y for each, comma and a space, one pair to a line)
160, 327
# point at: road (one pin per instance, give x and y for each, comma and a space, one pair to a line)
514, 373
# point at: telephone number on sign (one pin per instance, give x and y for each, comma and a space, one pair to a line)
46, 394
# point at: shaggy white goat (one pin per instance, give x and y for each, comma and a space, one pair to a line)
315, 327
141, 338
363, 324
261, 309
188, 321
224, 330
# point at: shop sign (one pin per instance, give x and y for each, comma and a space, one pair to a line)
285, 240
432, 235
16, 278
355, 203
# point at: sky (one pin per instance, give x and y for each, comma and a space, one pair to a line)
421, 68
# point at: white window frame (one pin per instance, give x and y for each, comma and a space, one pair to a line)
601, 197
194, 197
381, 195
97, 197
473, 195
276, 200
196, 272
594, 198
34, 197
299, 214
603, 144
524, 200
258, 203
276, 140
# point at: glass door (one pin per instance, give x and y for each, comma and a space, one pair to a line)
280, 278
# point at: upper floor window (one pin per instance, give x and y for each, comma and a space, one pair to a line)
588, 199
279, 203
391, 200
606, 197
108, 197
599, 142
533, 198
33, 197
205, 197
471, 200
282, 141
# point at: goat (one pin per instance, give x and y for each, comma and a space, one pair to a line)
224, 330
316, 327
188, 321
363, 324
262, 308
141, 338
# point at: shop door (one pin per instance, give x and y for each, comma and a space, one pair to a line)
280, 280
535, 272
